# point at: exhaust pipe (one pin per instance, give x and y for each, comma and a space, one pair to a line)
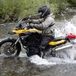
64, 47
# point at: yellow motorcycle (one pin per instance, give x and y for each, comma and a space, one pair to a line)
29, 39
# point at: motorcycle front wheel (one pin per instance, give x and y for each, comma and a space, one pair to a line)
9, 48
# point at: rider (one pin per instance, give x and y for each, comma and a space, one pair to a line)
44, 23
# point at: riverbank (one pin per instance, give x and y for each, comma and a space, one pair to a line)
68, 13
12, 11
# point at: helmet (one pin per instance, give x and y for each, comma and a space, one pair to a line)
44, 11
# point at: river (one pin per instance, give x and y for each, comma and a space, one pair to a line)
22, 66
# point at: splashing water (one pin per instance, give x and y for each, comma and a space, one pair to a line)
69, 28
40, 61
63, 56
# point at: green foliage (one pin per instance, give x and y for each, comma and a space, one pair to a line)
32, 6
58, 5
12, 10
72, 2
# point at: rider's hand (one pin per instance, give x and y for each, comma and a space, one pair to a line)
19, 26
30, 21
29, 27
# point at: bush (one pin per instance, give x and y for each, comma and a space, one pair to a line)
12, 10
72, 2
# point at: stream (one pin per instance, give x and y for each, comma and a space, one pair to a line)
36, 66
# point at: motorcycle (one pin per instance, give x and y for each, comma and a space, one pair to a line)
30, 39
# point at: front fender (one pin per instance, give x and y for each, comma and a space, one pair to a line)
6, 40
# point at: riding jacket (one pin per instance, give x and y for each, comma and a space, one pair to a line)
44, 24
